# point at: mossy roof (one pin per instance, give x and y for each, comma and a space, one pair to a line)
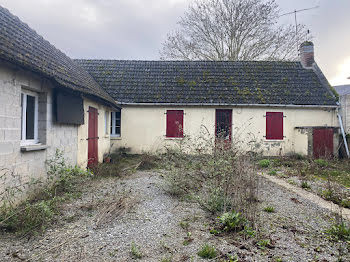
210, 82
22, 46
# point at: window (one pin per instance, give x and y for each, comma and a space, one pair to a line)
29, 104
115, 123
106, 122
274, 125
174, 123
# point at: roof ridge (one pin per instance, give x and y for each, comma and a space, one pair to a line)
187, 61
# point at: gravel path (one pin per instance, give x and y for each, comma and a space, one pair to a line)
345, 212
91, 229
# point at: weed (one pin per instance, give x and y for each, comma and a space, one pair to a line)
277, 259
248, 231
231, 258
184, 225
263, 243
339, 232
305, 185
321, 162
135, 251
148, 162
292, 182
34, 214
345, 203
232, 221
272, 172
166, 259
207, 251
214, 232
269, 209
264, 163
219, 181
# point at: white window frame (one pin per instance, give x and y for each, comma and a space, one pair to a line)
113, 126
25, 141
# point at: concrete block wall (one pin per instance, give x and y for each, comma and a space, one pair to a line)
18, 169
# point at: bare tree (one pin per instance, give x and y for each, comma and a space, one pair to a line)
232, 30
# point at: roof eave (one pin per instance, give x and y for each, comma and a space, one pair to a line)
232, 105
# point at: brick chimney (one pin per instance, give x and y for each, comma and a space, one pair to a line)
307, 54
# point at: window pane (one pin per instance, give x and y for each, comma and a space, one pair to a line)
112, 119
117, 130
117, 115
117, 122
30, 115
22, 95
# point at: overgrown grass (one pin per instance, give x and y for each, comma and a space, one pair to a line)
339, 232
39, 210
208, 252
122, 165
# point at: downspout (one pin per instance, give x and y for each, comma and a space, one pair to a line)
343, 133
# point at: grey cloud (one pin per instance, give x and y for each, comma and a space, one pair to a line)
135, 29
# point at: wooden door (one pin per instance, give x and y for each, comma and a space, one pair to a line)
93, 137
322, 142
223, 127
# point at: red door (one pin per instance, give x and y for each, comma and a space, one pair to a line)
323, 142
223, 126
93, 137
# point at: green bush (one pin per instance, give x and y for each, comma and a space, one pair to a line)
264, 163
207, 251
232, 221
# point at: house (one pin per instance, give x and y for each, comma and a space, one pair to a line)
47, 102
285, 107
344, 97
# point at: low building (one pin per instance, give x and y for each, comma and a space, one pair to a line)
47, 102
283, 107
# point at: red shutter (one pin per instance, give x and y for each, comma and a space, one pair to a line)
174, 123
274, 125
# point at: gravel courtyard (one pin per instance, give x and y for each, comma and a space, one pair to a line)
113, 213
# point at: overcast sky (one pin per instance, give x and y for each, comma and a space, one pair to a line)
135, 29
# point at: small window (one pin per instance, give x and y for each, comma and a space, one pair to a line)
115, 123
29, 126
106, 122
274, 125
174, 123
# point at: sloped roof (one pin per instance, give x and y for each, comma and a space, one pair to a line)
21, 45
342, 89
210, 82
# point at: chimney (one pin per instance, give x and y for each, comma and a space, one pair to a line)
307, 54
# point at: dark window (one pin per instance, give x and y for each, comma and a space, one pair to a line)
223, 123
30, 117
274, 125
116, 123
174, 123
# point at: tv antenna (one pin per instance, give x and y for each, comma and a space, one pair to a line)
296, 22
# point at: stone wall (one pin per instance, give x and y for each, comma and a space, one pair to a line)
18, 168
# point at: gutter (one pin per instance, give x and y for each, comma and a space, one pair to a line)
235, 105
